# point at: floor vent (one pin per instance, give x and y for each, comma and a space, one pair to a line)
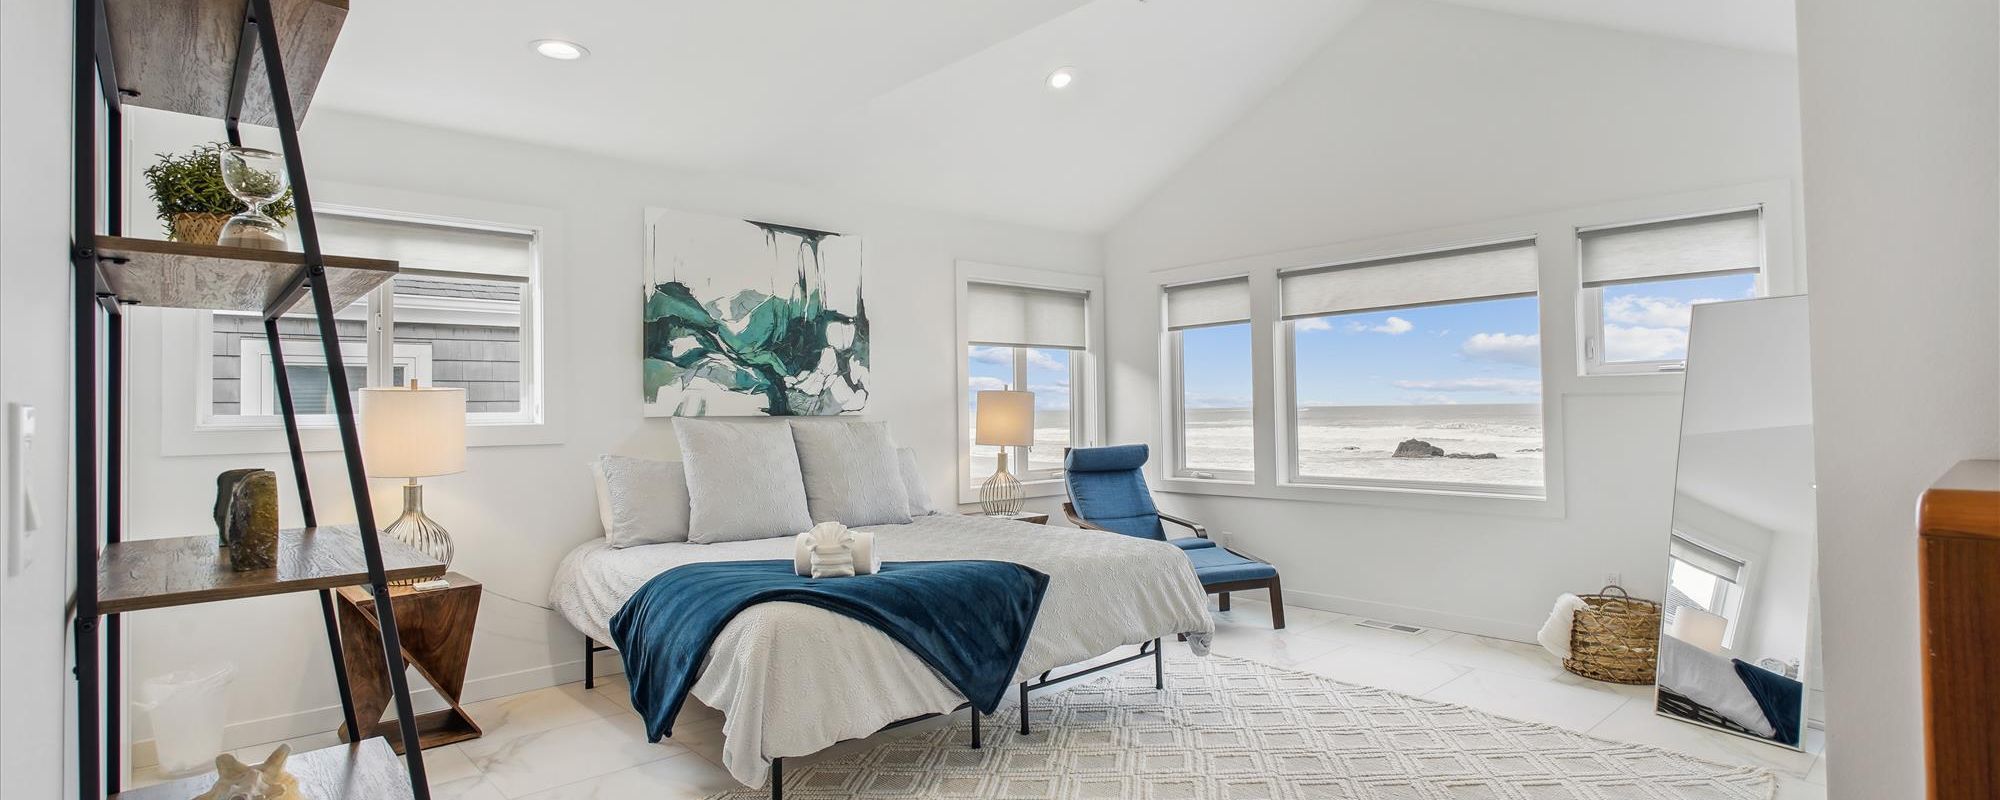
1389, 626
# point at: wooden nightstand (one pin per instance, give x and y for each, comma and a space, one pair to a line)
1030, 517
436, 630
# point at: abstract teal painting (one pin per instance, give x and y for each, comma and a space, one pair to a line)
751, 318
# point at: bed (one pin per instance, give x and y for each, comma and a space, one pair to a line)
791, 679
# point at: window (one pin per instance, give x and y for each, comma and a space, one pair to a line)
1031, 339
1704, 578
459, 314
1640, 282
1420, 371
1208, 326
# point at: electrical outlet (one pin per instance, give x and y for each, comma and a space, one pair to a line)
1613, 579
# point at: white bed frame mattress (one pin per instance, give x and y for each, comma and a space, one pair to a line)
792, 679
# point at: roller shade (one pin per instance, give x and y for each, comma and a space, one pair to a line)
1717, 244
1021, 316
1197, 305
1508, 269
424, 248
1707, 560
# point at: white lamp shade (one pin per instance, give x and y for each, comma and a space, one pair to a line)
1006, 419
412, 433
1699, 628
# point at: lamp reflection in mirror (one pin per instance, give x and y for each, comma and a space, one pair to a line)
1698, 628
1004, 419
414, 433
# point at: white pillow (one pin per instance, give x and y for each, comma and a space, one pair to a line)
852, 473
640, 500
913, 482
743, 480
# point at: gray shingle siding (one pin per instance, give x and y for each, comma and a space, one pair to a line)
483, 360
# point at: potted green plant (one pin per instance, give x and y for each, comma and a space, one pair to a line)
193, 201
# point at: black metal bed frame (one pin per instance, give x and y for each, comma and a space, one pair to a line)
94, 70
1153, 649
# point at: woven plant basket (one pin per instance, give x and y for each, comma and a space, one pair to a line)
194, 228
1616, 640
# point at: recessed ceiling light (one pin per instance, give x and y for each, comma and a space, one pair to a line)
560, 50
1062, 77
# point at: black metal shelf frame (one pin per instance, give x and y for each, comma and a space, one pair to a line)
99, 452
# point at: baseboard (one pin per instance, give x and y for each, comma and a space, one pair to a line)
1425, 617
320, 720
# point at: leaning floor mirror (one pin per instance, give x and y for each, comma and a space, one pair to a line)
1738, 639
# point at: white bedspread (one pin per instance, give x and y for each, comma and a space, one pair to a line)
792, 679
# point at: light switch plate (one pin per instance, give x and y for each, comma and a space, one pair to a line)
22, 516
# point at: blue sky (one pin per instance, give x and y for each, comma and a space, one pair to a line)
1480, 352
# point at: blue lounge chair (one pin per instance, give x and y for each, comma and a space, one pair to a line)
1107, 492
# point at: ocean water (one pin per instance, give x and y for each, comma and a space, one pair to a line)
1360, 442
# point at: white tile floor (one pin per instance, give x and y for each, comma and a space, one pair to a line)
568, 743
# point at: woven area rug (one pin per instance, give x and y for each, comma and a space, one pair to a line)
1228, 729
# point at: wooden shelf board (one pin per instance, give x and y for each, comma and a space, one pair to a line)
1965, 502
156, 573
180, 55
366, 771
151, 272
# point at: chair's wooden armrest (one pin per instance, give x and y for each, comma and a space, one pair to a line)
1069, 511
1185, 523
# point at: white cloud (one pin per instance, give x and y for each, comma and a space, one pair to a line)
1037, 359
1393, 326
1636, 343
992, 355
981, 383
1512, 348
1311, 324
1519, 386
1433, 400
1203, 400
1650, 312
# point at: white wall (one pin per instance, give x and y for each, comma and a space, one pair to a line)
1901, 118
1423, 116
517, 510
34, 336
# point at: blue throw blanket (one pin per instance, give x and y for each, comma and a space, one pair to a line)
969, 620
1780, 697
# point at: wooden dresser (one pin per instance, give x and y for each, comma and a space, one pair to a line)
1958, 567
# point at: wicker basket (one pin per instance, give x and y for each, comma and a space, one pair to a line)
1616, 640
194, 228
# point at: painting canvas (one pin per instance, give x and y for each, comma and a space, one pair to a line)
747, 318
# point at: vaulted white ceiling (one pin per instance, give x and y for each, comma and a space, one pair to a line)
917, 102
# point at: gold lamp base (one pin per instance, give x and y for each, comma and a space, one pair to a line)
1002, 493
420, 532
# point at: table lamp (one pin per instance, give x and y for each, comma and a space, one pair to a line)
414, 433
1005, 419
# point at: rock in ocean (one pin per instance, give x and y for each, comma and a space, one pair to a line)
1418, 448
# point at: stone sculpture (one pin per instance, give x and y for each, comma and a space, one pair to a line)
246, 517
235, 780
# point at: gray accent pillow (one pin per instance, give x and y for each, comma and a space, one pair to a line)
852, 474
913, 483
743, 481
641, 500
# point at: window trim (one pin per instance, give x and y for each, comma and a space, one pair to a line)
1086, 399
1177, 419
1293, 477
417, 357
181, 335
1590, 299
